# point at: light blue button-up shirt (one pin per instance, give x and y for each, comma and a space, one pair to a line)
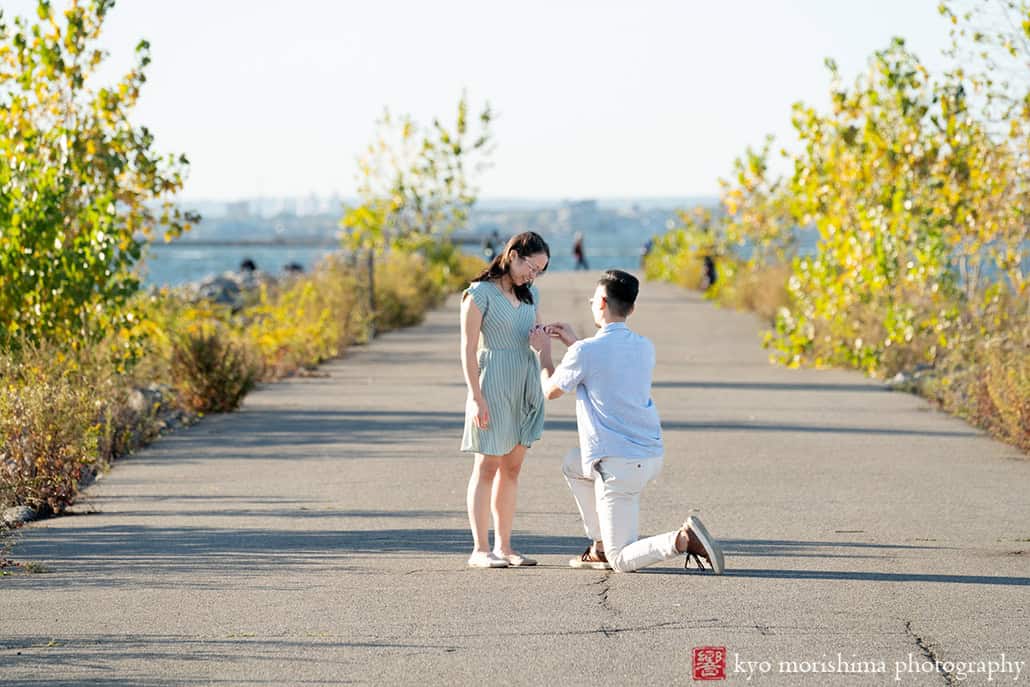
611, 373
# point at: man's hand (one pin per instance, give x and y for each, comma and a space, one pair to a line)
539, 339
562, 331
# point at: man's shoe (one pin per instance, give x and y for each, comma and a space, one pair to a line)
591, 560
700, 544
486, 559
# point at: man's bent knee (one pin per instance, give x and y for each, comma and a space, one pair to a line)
619, 562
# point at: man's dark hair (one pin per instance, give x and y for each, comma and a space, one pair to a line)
621, 289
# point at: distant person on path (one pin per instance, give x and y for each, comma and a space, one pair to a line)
645, 251
578, 252
490, 245
708, 280
504, 413
620, 435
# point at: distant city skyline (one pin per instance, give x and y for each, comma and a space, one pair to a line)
594, 99
314, 204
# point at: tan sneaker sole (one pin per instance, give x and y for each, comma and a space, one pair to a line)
712, 549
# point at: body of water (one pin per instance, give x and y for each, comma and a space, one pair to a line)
170, 265
178, 263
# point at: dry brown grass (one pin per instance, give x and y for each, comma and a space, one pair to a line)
988, 384
762, 290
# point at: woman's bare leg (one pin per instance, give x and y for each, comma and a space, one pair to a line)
484, 469
505, 489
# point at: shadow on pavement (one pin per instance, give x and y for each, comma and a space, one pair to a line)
349, 430
105, 555
812, 549
771, 386
856, 576
92, 659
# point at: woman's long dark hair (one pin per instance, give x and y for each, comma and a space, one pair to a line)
525, 244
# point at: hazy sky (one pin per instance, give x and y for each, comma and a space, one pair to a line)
595, 99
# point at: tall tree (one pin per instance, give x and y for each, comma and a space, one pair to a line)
81, 186
416, 183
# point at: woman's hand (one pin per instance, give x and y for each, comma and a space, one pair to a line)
562, 331
539, 338
480, 413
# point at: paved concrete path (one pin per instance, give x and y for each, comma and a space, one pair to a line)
319, 535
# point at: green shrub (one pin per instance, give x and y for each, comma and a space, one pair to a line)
404, 291
675, 261
450, 268
212, 372
307, 320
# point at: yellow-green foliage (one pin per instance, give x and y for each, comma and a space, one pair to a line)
449, 268
78, 179
921, 209
79, 185
739, 284
415, 184
63, 415
404, 291
678, 256
163, 317
893, 179
671, 259
307, 320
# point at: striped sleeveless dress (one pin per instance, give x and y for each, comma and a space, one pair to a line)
509, 374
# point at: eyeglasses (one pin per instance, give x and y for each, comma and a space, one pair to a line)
532, 268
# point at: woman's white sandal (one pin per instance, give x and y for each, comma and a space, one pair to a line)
486, 559
515, 560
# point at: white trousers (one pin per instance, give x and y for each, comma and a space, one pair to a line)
609, 502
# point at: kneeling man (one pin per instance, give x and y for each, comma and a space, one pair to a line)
620, 435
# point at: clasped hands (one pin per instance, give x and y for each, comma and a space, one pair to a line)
541, 334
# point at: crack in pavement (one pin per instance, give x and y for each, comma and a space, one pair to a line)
605, 585
605, 630
602, 594
949, 679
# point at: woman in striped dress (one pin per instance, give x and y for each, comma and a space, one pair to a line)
504, 413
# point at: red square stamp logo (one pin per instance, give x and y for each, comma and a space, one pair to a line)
709, 663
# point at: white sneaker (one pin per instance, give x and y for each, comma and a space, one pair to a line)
486, 559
